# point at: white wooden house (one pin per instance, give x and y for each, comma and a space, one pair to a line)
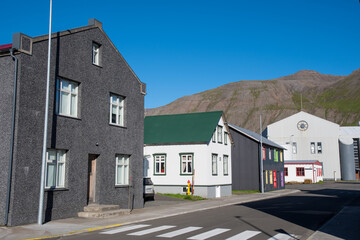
190, 148
299, 171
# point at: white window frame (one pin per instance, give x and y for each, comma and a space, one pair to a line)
122, 169
159, 159
319, 147
119, 110
312, 148
214, 164
186, 158
214, 136
225, 165
294, 148
59, 168
226, 138
219, 133
69, 108
96, 53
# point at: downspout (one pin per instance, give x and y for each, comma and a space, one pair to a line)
12, 139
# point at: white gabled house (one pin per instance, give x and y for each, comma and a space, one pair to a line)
194, 148
299, 171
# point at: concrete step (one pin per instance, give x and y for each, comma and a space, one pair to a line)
102, 211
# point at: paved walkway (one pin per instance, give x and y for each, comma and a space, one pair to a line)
77, 225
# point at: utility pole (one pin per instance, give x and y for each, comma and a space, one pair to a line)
43, 163
261, 161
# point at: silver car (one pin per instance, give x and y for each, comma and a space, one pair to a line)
149, 191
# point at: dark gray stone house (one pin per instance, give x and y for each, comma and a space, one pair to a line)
245, 161
95, 126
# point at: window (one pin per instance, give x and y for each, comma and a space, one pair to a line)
160, 164
281, 156
294, 148
312, 148
116, 110
186, 163
266, 177
271, 177
286, 171
122, 170
214, 158
219, 134
226, 138
300, 171
226, 164
319, 147
55, 168
66, 97
214, 136
263, 153
269, 153
96, 54
276, 156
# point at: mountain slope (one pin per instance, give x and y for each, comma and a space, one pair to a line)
335, 98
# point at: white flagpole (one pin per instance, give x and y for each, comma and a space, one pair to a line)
43, 163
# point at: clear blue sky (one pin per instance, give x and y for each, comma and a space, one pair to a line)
183, 47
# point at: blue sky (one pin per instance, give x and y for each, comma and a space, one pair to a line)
184, 47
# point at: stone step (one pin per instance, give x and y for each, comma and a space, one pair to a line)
102, 211
105, 214
100, 208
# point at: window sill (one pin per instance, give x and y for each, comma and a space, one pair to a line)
115, 125
56, 189
68, 116
122, 186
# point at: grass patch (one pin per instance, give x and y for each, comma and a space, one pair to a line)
247, 191
182, 196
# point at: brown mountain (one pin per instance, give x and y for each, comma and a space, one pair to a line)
336, 98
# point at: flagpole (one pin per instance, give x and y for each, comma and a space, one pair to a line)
43, 163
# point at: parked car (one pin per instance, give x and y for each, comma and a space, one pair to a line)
149, 191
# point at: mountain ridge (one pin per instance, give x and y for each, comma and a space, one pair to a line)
332, 97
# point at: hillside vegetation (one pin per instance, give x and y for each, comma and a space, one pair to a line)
335, 98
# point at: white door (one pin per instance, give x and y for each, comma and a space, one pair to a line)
218, 192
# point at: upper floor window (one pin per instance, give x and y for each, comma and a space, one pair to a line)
96, 54
214, 136
116, 110
312, 148
122, 170
263, 152
294, 148
319, 147
186, 163
219, 134
55, 169
67, 97
269, 153
276, 155
226, 138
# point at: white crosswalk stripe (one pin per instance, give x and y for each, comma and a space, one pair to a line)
244, 235
179, 232
209, 234
282, 236
125, 228
151, 230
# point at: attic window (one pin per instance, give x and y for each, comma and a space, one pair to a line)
96, 53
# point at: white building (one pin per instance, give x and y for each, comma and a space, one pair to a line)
349, 147
299, 171
194, 148
307, 137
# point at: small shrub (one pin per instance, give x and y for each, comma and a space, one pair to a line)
307, 181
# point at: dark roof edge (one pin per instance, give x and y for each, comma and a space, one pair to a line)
175, 143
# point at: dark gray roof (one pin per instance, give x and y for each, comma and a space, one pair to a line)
255, 136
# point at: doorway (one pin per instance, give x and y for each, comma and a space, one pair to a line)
92, 178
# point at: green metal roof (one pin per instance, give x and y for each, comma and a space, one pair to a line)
180, 128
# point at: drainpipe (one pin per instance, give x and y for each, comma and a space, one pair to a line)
12, 138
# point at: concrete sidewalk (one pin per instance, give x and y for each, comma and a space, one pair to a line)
78, 225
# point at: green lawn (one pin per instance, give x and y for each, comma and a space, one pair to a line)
181, 196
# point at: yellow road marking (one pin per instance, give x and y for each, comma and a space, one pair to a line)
77, 232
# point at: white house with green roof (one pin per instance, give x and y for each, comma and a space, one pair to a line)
192, 147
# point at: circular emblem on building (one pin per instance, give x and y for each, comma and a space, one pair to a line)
302, 125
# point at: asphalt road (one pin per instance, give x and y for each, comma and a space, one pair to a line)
295, 216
